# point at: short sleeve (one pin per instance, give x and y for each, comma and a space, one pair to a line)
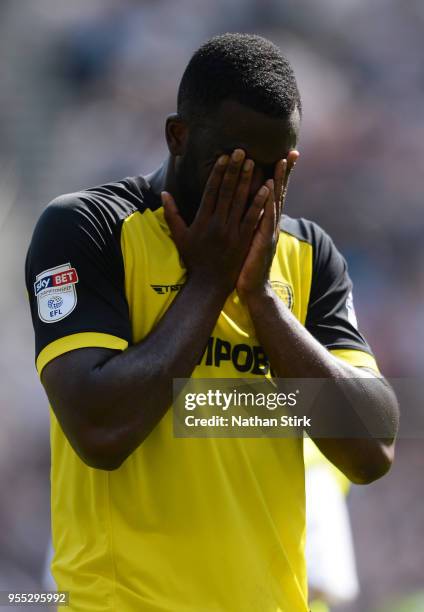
331, 315
75, 279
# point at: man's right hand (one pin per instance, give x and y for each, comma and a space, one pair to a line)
214, 247
108, 402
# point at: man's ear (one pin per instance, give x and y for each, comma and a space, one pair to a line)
176, 131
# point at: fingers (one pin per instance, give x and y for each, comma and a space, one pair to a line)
279, 177
238, 205
269, 219
229, 184
292, 158
283, 170
173, 218
211, 191
253, 215
261, 215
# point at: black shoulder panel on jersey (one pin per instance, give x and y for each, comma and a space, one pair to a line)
82, 231
302, 229
130, 192
330, 317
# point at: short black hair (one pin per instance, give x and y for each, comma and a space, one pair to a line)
246, 68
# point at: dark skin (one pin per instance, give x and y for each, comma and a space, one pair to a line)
226, 243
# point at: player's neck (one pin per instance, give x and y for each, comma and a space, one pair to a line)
162, 179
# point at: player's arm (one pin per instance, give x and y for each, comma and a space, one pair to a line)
294, 352
108, 402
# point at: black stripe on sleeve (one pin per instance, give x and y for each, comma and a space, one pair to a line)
330, 316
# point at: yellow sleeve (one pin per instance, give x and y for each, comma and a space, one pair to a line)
354, 357
77, 341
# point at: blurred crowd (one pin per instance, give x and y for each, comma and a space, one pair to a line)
85, 87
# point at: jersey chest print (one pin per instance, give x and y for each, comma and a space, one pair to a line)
56, 293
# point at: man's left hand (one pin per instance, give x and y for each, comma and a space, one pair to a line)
254, 275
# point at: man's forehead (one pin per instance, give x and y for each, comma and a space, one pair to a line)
263, 138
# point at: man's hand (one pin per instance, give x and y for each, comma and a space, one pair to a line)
255, 272
214, 247
107, 402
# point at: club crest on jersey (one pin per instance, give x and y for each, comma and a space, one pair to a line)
284, 292
56, 293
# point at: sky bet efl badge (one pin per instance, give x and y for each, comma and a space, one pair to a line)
56, 293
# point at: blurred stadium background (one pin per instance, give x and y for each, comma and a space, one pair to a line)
84, 90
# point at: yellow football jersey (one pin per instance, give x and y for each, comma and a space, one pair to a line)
185, 524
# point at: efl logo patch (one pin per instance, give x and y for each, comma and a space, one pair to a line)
56, 293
